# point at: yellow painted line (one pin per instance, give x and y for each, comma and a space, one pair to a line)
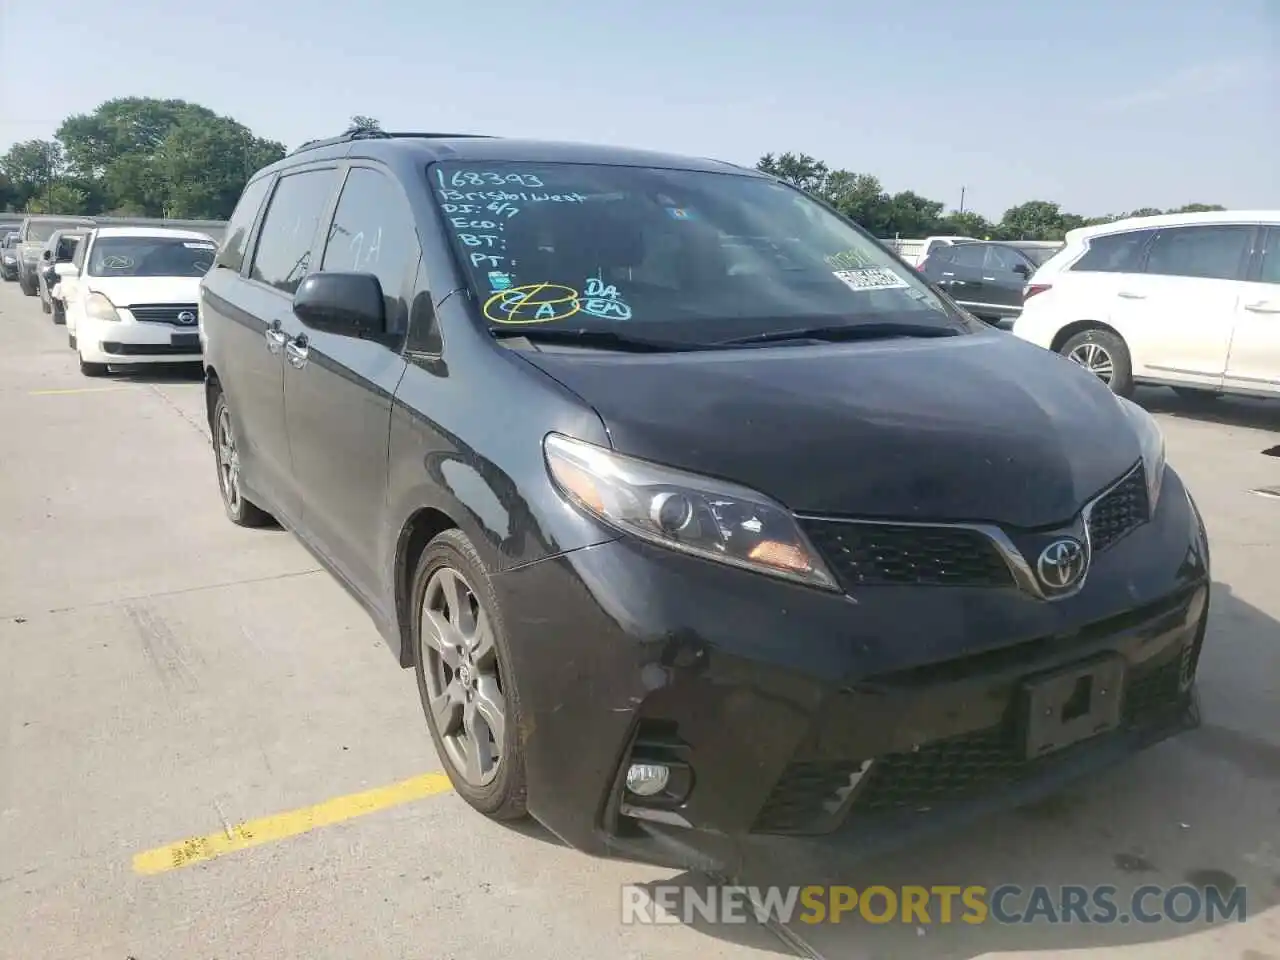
64, 393
281, 826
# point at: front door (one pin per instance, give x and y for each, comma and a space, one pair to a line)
339, 390
1254, 362
1004, 275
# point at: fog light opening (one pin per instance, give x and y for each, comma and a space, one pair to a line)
648, 779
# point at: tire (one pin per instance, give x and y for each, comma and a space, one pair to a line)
1101, 350
93, 369
71, 340
498, 791
239, 509
27, 288
45, 306
59, 313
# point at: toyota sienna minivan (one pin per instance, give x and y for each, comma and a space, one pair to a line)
703, 521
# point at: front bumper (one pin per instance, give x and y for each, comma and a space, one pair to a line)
127, 341
801, 717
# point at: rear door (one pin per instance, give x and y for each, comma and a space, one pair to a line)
338, 390
1005, 272
1253, 364
963, 274
1179, 315
248, 296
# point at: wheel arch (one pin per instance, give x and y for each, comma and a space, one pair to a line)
423, 526
1080, 326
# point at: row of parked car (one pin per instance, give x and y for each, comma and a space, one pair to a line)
127, 295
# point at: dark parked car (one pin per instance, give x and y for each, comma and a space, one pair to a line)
984, 277
702, 520
32, 237
9, 255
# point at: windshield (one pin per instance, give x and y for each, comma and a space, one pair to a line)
151, 257
680, 255
41, 230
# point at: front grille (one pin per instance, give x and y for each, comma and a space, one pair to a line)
865, 554
953, 769
163, 313
1121, 510
150, 349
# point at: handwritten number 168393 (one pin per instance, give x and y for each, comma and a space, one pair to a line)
473, 178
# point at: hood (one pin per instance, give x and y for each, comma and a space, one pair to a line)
976, 428
127, 291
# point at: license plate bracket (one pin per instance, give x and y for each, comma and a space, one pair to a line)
1067, 706
185, 340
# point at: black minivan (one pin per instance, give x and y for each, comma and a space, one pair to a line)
703, 520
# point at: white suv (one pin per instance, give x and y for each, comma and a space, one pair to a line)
1189, 300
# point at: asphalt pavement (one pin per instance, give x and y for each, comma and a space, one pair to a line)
206, 752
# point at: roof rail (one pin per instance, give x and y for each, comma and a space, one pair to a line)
370, 134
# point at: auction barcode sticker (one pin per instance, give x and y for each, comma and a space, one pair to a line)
871, 278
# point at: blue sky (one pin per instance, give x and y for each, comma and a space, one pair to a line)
1101, 105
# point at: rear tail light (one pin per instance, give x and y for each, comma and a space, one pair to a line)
1031, 289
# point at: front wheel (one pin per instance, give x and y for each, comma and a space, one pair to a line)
1105, 355
45, 306
463, 668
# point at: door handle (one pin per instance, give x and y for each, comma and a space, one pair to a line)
1263, 306
989, 278
1129, 295
297, 351
275, 338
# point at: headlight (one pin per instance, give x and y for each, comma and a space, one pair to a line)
100, 308
682, 511
1151, 441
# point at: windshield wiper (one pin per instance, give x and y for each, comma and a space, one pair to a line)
605, 339
846, 332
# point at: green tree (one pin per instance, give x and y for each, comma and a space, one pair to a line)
361, 122
61, 197
797, 169
202, 164
966, 224
31, 167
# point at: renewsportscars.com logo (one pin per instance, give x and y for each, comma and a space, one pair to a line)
926, 906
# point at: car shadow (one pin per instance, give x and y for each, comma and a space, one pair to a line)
1258, 414
1199, 811
158, 373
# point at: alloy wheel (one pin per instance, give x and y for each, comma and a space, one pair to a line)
228, 461
464, 686
1094, 358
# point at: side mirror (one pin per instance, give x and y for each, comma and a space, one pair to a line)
66, 269
1022, 270
46, 255
348, 304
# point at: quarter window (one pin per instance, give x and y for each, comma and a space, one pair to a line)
1114, 253
1208, 252
283, 254
231, 256
372, 232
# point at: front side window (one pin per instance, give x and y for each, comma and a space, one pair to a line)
66, 249
283, 255
1114, 253
1269, 271
688, 256
1208, 252
372, 232
969, 255
1003, 259
143, 256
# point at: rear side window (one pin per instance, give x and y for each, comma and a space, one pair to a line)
283, 254
1208, 252
969, 255
231, 255
1114, 253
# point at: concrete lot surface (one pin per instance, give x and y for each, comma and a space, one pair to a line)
207, 753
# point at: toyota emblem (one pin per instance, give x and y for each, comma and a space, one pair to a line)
1062, 564
186, 317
